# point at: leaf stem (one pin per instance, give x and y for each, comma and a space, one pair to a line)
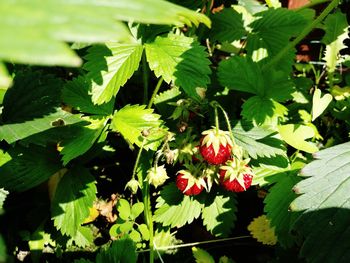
137, 162
229, 127
145, 76
217, 127
149, 219
312, 3
302, 35
155, 92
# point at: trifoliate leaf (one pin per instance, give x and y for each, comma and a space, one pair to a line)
28, 167
175, 209
17, 131
261, 230
295, 135
76, 93
277, 207
110, 67
73, 198
3, 194
179, 59
227, 26
33, 95
324, 197
132, 120
336, 28
122, 250
218, 213
81, 141
137, 210
202, 256
258, 141
319, 104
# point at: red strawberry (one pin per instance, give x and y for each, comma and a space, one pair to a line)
215, 146
236, 176
188, 184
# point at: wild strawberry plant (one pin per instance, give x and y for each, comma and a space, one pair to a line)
126, 123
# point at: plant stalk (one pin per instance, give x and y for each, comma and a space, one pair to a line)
145, 76
302, 35
155, 92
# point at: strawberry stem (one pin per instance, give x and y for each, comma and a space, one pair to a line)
217, 127
229, 127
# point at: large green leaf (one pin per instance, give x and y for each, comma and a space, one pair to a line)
81, 141
122, 250
110, 67
218, 214
32, 95
179, 59
84, 237
76, 93
258, 109
74, 196
175, 209
336, 31
227, 26
33, 30
132, 120
17, 131
259, 141
28, 167
325, 198
277, 207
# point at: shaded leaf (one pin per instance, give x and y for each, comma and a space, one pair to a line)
83, 237
76, 93
28, 167
218, 214
72, 200
227, 26
122, 250
110, 67
179, 59
175, 209
277, 207
257, 109
260, 229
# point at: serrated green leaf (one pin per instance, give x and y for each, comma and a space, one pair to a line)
32, 95
336, 31
167, 95
83, 238
110, 67
241, 73
327, 185
319, 104
227, 26
132, 120
122, 250
137, 209
257, 109
179, 59
17, 131
3, 195
144, 231
295, 135
277, 207
218, 213
202, 256
28, 167
124, 209
258, 141
174, 209
74, 196
76, 93
81, 141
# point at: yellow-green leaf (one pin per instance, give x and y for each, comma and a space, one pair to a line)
319, 104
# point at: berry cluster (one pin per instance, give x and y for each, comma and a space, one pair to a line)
220, 161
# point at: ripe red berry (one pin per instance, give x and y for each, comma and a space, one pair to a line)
187, 184
235, 185
215, 146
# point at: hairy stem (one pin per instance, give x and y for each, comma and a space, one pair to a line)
302, 35
155, 92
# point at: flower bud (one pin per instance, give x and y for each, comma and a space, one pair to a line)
133, 185
157, 176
